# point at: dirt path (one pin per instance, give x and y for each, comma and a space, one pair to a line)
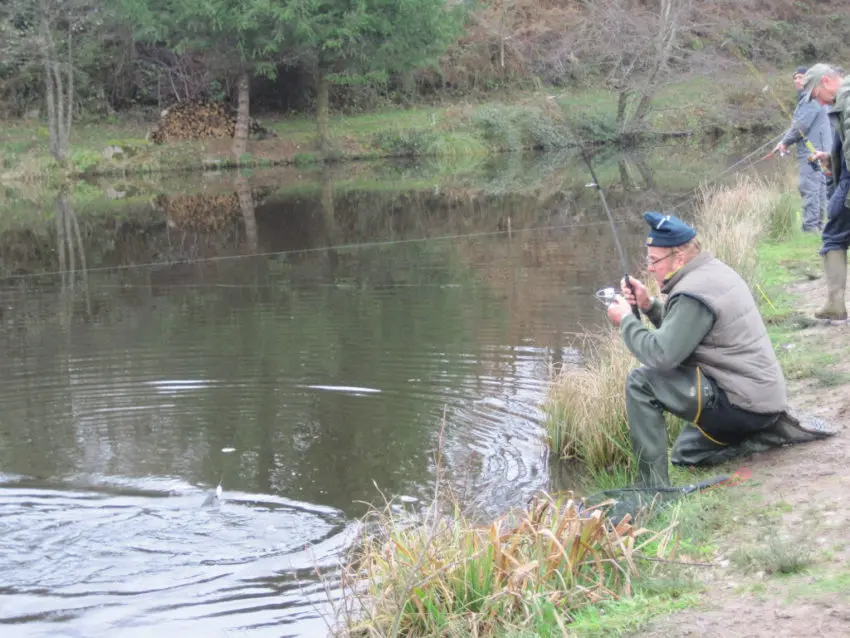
798, 506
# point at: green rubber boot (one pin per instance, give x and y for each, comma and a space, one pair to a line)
835, 267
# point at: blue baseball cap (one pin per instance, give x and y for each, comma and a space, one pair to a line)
667, 231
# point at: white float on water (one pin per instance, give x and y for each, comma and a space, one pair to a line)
341, 388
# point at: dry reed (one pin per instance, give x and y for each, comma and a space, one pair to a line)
525, 571
732, 220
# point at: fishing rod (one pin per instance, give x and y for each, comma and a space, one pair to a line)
595, 184
816, 164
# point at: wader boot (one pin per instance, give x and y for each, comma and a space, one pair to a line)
835, 267
649, 393
789, 429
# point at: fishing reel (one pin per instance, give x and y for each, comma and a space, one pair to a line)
610, 295
606, 296
818, 166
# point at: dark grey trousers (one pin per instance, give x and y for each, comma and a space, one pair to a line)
812, 185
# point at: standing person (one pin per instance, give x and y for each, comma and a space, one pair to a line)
709, 361
824, 84
809, 123
830, 180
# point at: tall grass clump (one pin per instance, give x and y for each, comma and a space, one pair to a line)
586, 408
784, 221
526, 572
732, 220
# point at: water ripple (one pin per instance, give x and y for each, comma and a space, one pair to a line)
80, 553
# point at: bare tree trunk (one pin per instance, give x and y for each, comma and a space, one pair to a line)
243, 116
246, 205
59, 94
668, 31
50, 95
322, 108
502, 38
69, 108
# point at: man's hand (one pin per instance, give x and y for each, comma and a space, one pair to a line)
780, 148
618, 309
822, 156
641, 296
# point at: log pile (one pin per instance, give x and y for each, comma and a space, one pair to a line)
201, 120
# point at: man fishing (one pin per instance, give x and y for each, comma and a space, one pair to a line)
825, 85
810, 123
709, 361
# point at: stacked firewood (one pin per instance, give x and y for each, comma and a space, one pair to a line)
201, 120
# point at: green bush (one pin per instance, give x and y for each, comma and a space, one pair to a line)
85, 159
516, 128
405, 143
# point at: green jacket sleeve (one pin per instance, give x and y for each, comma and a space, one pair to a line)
655, 313
686, 322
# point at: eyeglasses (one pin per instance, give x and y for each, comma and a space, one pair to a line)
652, 262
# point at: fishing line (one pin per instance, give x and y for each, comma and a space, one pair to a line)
299, 251
694, 193
623, 263
767, 86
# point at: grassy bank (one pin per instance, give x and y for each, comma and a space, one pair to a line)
547, 571
546, 120
551, 569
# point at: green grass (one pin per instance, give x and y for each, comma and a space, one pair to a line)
616, 618
782, 263
302, 128
819, 583
774, 556
802, 356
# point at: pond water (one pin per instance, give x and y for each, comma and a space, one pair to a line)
300, 338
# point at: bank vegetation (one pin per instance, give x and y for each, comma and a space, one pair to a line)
63, 62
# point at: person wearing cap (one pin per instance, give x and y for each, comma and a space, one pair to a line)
830, 181
809, 123
825, 85
709, 360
